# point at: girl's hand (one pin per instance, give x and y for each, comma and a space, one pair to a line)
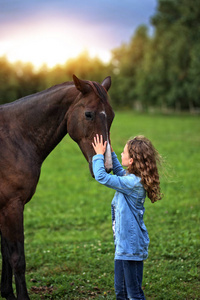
98, 145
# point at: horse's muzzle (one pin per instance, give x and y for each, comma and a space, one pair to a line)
108, 170
108, 159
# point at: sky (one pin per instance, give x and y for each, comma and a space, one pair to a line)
52, 31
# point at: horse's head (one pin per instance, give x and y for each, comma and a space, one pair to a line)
91, 114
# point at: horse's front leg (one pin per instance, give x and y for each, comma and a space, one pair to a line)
13, 250
19, 267
6, 276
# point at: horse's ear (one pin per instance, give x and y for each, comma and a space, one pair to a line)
107, 83
81, 85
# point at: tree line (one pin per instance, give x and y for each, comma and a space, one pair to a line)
159, 70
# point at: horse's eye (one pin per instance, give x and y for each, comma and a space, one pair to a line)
89, 115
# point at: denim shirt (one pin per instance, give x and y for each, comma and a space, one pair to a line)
127, 208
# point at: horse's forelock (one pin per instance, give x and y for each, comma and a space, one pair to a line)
99, 90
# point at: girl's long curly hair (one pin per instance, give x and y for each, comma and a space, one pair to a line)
145, 159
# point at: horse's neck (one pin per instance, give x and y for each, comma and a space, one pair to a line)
41, 118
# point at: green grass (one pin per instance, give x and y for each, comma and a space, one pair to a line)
68, 236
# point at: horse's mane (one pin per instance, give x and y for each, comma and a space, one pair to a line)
56, 87
51, 89
41, 93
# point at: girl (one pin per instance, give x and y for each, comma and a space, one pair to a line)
130, 234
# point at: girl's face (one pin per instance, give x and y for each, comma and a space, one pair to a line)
126, 159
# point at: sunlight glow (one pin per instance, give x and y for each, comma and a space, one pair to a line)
50, 45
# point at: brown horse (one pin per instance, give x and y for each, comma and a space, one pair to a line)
30, 128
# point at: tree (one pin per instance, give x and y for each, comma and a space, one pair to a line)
126, 60
177, 32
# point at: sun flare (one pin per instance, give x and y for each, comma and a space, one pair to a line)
50, 45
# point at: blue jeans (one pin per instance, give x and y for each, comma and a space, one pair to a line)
128, 280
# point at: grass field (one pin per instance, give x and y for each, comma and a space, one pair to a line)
68, 236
